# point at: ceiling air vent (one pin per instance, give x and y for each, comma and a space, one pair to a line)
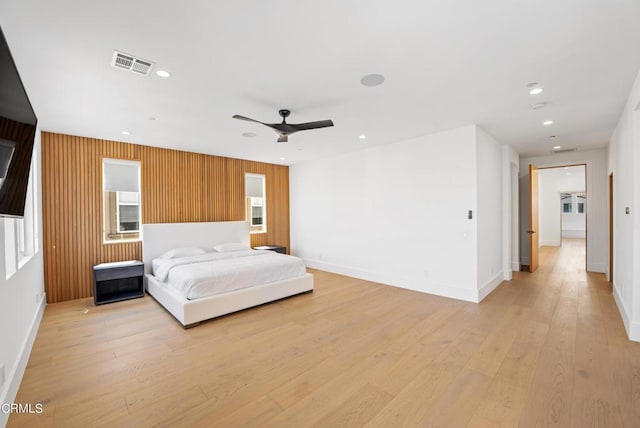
564, 150
131, 63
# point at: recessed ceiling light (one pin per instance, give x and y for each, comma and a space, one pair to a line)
372, 80
547, 122
249, 134
536, 91
163, 73
362, 137
552, 137
538, 106
126, 133
532, 84
557, 147
282, 158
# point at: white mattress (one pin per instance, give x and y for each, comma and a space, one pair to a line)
216, 273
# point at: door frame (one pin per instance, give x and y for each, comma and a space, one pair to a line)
534, 221
611, 220
586, 218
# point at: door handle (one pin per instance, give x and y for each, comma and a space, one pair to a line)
531, 231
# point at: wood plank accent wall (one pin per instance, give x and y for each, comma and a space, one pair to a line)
176, 187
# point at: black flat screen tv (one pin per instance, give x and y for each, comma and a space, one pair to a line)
17, 133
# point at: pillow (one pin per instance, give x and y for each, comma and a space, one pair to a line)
229, 247
182, 252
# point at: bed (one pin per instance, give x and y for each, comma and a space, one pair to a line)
158, 239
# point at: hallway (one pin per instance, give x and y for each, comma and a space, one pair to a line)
588, 372
568, 258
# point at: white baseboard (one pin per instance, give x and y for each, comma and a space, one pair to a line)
489, 286
460, 293
15, 377
515, 266
632, 328
635, 331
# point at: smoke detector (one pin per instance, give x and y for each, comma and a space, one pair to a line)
131, 63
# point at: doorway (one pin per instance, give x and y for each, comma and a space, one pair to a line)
558, 210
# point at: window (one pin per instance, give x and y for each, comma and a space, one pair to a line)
21, 234
566, 199
121, 188
571, 200
580, 200
128, 220
20, 230
257, 216
256, 213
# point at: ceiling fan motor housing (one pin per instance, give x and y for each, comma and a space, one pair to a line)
284, 113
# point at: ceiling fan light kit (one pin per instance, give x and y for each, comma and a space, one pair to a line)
285, 129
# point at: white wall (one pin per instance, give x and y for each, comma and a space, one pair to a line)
397, 213
489, 161
597, 226
624, 154
514, 252
21, 307
551, 220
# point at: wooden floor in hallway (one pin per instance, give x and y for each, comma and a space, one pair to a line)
545, 349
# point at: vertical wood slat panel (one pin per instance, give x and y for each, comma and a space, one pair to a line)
176, 187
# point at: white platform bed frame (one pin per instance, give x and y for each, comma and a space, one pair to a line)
160, 238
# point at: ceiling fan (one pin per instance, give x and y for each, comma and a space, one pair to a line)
285, 129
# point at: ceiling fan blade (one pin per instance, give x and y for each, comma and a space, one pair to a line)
311, 125
248, 119
282, 128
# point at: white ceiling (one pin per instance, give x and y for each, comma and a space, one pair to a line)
446, 63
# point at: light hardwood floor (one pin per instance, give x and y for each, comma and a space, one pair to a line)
545, 349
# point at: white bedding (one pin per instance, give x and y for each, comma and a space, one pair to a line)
215, 273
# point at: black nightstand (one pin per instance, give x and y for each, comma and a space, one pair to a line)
117, 281
276, 248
